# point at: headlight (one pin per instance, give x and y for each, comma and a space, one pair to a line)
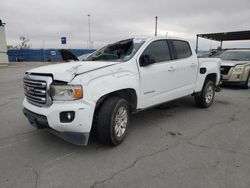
238, 68
66, 92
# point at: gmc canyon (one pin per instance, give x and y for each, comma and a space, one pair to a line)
119, 79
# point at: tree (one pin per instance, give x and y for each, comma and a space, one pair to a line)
23, 43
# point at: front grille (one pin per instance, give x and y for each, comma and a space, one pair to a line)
225, 69
36, 89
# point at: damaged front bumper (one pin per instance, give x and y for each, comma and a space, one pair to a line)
40, 122
76, 132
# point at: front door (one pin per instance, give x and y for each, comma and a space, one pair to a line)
158, 80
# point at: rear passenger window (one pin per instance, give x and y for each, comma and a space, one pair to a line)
158, 50
182, 49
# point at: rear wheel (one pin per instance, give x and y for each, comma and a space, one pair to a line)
112, 121
206, 97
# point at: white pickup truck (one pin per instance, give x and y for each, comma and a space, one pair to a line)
115, 81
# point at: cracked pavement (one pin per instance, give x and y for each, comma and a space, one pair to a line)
173, 145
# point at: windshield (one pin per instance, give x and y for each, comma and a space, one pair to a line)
235, 55
83, 57
120, 51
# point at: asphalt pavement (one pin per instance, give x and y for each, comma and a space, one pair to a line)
174, 145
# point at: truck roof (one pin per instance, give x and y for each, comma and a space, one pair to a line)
158, 37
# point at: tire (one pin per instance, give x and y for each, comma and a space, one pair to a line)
206, 97
247, 84
112, 123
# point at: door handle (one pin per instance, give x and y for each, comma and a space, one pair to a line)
193, 65
171, 69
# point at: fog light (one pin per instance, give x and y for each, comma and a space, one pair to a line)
67, 117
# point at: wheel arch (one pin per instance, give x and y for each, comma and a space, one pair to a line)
129, 94
201, 80
212, 77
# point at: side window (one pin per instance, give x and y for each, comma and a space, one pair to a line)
182, 49
158, 50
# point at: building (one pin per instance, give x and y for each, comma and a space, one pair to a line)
3, 45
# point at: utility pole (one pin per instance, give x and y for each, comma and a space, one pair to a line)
89, 32
43, 52
156, 20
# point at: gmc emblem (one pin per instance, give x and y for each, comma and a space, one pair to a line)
29, 89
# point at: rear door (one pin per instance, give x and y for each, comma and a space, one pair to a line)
158, 80
188, 65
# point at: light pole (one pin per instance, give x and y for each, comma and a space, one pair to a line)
89, 31
43, 52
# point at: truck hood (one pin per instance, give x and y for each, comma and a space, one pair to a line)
233, 63
67, 71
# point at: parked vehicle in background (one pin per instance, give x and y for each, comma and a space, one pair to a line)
235, 67
120, 78
203, 54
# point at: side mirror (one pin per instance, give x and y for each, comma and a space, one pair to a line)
146, 60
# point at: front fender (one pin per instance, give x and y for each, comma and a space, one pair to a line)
99, 83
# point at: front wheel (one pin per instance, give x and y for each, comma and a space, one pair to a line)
206, 97
113, 120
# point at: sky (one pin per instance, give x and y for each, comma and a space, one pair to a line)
113, 20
